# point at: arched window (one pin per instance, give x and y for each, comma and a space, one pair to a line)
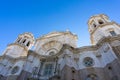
28, 43
94, 25
18, 39
35, 70
73, 70
113, 33
15, 70
100, 22
88, 62
24, 40
48, 69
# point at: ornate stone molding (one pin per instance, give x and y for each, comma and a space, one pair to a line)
55, 34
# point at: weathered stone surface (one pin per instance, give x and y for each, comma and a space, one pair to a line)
56, 56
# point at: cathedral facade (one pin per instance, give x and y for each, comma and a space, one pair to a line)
55, 56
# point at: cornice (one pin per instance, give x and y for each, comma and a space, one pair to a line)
77, 50
89, 48
66, 46
108, 39
42, 57
14, 59
80, 49
18, 45
100, 26
58, 34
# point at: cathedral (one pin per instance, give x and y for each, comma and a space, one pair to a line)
55, 56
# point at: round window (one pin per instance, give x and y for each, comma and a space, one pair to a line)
15, 70
88, 62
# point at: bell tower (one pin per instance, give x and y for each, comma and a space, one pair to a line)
100, 26
21, 45
26, 40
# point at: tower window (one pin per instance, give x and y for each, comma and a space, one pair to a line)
19, 40
24, 41
28, 43
94, 25
101, 22
113, 33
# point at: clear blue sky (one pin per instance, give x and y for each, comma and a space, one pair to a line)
43, 16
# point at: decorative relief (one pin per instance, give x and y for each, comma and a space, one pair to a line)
76, 57
52, 44
98, 54
51, 48
51, 52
